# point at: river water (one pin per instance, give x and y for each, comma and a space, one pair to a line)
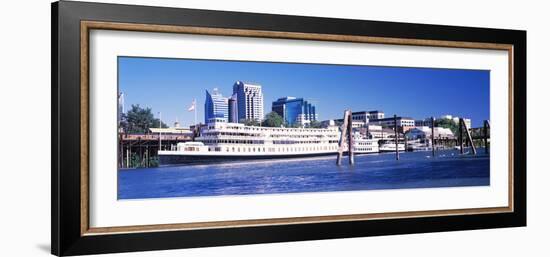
319, 174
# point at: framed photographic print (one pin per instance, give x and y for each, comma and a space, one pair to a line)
177, 128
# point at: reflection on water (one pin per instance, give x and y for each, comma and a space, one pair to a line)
318, 174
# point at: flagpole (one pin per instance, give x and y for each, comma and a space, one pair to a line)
195, 109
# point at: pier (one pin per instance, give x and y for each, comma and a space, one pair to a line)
141, 150
465, 137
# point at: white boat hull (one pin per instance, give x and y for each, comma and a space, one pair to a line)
173, 157
391, 147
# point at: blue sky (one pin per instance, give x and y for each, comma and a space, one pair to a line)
170, 85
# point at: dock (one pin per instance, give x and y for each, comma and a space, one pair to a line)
140, 150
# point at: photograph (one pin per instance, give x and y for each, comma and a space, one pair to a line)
200, 127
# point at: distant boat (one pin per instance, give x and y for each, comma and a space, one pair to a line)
364, 145
388, 145
418, 145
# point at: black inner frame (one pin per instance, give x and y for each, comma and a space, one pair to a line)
65, 166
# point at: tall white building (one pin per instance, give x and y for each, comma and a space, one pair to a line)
250, 101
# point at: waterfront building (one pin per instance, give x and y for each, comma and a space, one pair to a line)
326, 123
294, 110
403, 123
233, 109
428, 121
357, 124
376, 132
376, 114
360, 119
215, 106
423, 123
467, 122
363, 118
354, 123
425, 132
171, 131
250, 101
447, 117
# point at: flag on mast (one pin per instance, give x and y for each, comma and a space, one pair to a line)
192, 107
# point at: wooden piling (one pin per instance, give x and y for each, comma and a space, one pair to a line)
469, 136
342, 140
486, 135
396, 137
461, 137
120, 152
406, 142
346, 133
433, 136
351, 154
140, 153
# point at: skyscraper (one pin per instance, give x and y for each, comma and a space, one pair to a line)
294, 110
250, 101
215, 106
233, 109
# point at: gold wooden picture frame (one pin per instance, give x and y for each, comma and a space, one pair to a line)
72, 26
86, 26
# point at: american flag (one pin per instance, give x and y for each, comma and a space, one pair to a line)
192, 107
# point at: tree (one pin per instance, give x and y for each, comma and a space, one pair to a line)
447, 123
272, 119
139, 120
249, 122
315, 124
294, 125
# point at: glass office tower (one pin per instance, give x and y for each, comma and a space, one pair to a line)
215, 106
294, 110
